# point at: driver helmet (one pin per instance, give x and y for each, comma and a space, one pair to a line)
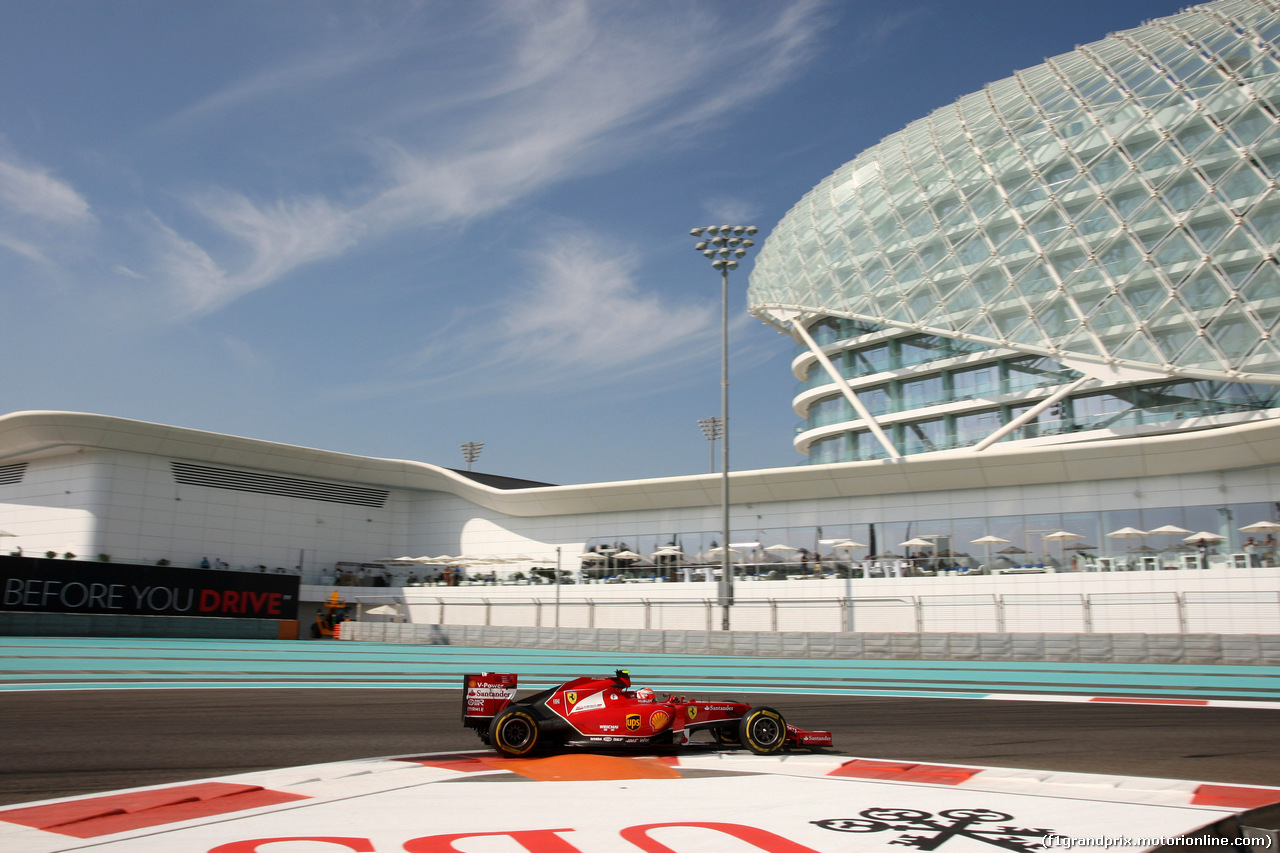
645, 695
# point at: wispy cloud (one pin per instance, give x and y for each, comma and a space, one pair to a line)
583, 312
31, 191
586, 88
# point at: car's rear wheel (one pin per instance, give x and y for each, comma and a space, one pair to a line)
763, 731
514, 732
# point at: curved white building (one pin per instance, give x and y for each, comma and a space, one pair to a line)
1047, 310
1083, 250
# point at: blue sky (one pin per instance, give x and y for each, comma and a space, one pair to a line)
388, 228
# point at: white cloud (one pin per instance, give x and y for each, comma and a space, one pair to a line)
21, 247
585, 87
583, 313
34, 192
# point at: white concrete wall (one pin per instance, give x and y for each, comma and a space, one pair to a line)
127, 504
1222, 600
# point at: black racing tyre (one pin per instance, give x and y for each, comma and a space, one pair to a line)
763, 731
514, 732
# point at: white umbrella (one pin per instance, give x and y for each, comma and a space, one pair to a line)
1128, 533
591, 557
916, 543
847, 545
1063, 536
627, 555
384, 610
1204, 536
1256, 527
1169, 530
987, 541
667, 552
780, 548
719, 550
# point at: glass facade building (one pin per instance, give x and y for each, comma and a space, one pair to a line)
1085, 249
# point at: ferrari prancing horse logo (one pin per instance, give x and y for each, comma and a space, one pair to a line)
633, 722
693, 712
571, 697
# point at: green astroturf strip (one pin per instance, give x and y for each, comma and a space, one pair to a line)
29, 662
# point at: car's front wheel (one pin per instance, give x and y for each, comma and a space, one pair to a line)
763, 731
514, 732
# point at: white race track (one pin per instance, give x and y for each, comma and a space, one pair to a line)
475, 802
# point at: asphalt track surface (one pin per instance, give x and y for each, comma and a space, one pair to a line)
71, 742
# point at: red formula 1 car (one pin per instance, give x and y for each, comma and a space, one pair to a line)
607, 712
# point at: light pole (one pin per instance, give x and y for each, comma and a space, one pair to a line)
712, 429
471, 452
723, 245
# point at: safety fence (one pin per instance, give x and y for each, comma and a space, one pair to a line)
1101, 613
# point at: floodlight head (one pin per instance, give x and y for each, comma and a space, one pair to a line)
717, 241
748, 243
738, 229
713, 230
751, 229
697, 232
719, 263
709, 253
739, 252
702, 244
731, 264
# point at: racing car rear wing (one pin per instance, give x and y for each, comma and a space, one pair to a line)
485, 695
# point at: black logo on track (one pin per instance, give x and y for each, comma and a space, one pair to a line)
927, 831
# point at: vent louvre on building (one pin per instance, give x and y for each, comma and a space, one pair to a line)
187, 474
10, 474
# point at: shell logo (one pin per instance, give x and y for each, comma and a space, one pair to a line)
659, 720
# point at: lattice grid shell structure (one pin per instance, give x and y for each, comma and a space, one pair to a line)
1116, 205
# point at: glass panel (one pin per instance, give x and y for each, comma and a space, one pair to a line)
1210, 225
1183, 193
975, 382
973, 427
917, 393
1241, 186
1249, 125
1120, 258
829, 410
1203, 292
1175, 251
1233, 334
868, 360
1145, 294
1172, 336
1264, 221
924, 436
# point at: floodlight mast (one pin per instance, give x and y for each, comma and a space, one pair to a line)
712, 429
724, 245
471, 452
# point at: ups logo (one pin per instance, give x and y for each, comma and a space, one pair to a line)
633, 722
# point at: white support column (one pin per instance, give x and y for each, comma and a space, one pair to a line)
843, 385
1030, 413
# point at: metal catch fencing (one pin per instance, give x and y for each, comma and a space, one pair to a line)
1100, 613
